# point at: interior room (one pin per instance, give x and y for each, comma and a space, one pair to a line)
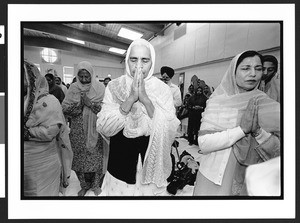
201, 50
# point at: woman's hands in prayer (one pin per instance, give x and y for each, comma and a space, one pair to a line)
137, 93
249, 121
86, 100
255, 126
134, 93
143, 97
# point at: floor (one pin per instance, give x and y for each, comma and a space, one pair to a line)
74, 186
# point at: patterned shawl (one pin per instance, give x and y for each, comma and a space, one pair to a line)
161, 128
43, 109
95, 92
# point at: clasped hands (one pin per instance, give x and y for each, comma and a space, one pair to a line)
138, 92
86, 101
249, 120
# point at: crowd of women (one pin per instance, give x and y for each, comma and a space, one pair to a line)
134, 119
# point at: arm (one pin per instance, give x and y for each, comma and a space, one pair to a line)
143, 97
269, 145
41, 133
110, 119
149, 107
220, 140
96, 108
73, 110
177, 97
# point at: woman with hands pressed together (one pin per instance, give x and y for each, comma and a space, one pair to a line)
138, 118
81, 104
240, 127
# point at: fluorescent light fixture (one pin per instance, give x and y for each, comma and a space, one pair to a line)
129, 34
116, 50
76, 40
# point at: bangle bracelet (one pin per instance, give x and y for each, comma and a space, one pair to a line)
122, 110
257, 133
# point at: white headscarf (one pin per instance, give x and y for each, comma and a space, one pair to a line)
224, 110
161, 128
141, 42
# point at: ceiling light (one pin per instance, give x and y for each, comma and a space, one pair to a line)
129, 34
117, 50
76, 40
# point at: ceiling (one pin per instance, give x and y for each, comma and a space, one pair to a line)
98, 37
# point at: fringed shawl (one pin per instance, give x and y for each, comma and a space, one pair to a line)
161, 128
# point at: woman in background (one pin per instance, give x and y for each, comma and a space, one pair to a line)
82, 103
47, 150
240, 127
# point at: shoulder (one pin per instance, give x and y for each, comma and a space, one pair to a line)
159, 83
158, 87
115, 82
174, 86
49, 101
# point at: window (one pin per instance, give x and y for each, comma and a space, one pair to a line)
68, 74
49, 55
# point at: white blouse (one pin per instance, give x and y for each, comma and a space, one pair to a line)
216, 148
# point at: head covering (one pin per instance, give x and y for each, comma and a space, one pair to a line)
225, 108
141, 42
168, 70
161, 128
43, 109
37, 86
95, 92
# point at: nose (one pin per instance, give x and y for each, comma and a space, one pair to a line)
253, 72
265, 71
139, 64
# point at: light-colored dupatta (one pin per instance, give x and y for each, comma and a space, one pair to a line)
42, 109
95, 92
226, 106
161, 128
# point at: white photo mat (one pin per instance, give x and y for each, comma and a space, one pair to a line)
153, 209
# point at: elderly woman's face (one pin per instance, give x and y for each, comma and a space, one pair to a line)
248, 73
84, 76
140, 56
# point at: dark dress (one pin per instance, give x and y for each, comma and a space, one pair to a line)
195, 116
123, 156
87, 164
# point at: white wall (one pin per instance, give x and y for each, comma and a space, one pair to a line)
102, 67
206, 48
